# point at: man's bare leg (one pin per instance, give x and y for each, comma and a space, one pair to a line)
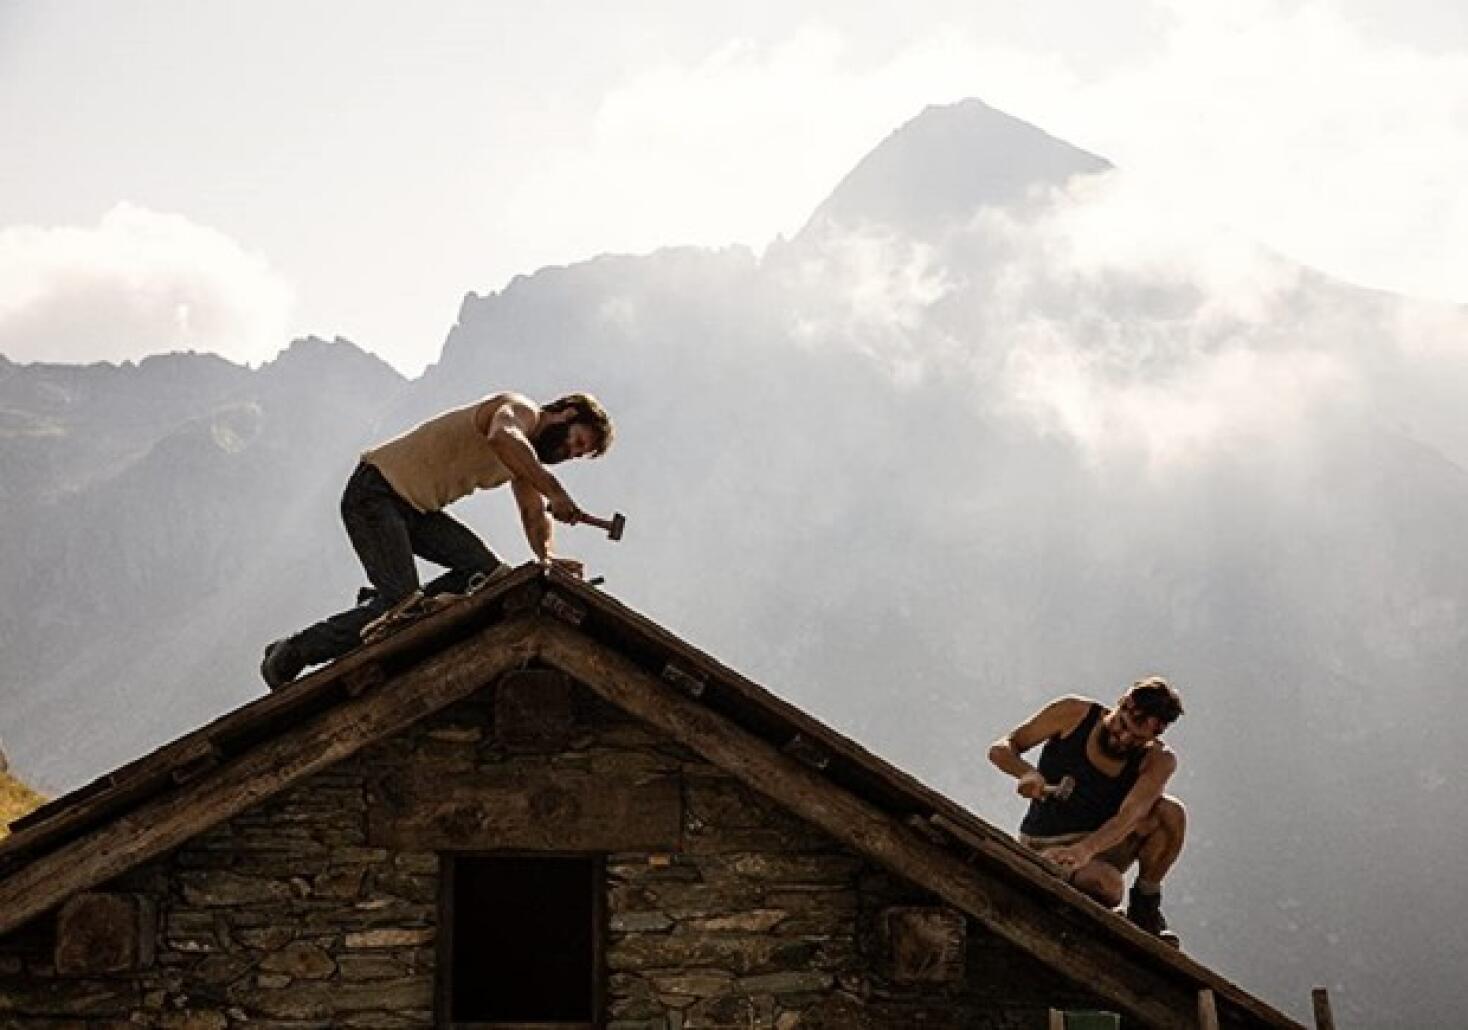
1100, 880
1162, 834
1159, 842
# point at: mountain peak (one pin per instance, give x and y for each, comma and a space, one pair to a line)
313, 355
944, 165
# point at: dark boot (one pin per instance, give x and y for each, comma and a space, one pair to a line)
1145, 912
282, 663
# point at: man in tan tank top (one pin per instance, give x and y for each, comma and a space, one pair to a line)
393, 507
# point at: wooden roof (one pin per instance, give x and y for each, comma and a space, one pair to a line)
539, 616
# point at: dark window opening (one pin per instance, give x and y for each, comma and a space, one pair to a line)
523, 940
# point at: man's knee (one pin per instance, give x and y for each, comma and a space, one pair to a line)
1167, 815
1171, 815
1101, 881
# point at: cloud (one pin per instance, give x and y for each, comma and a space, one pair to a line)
737, 146
1289, 122
870, 290
1109, 319
1286, 120
1133, 330
137, 283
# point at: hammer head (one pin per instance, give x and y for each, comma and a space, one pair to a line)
1061, 791
619, 522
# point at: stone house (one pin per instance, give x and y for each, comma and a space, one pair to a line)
539, 809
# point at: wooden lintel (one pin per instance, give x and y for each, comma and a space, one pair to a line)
170, 819
550, 810
1137, 988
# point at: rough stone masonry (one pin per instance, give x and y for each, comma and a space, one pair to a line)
321, 907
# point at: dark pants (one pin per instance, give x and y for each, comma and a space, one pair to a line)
386, 532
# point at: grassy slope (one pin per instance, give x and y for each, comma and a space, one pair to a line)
16, 799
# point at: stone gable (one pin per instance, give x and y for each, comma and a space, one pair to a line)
321, 907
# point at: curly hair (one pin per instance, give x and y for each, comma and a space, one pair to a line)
1155, 698
589, 412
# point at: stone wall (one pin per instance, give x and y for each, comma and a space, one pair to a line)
319, 908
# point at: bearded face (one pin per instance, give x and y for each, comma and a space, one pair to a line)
1127, 731
550, 443
1114, 746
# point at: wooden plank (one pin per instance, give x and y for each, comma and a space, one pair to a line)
1320, 1003
1018, 918
1057, 1019
124, 787
547, 810
1207, 1010
75, 812
236, 785
983, 844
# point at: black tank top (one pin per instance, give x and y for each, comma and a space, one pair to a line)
1097, 796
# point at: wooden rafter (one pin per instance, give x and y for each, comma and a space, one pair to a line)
223, 792
1138, 989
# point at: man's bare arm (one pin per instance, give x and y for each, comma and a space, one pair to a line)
509, 435
1055, 719
539, 529
1157, 769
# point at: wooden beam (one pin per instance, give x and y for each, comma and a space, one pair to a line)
170, 819
123, 788
1140, 991
1207, 1010
550, 809
984, 845
1320, 1002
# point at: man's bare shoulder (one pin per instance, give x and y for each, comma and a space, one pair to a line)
1057, 718
517, 406
1160, 755
1072, 703
1068, 710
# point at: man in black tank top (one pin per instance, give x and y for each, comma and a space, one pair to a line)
1096, 800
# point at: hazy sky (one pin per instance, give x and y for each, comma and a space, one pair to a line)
228, 175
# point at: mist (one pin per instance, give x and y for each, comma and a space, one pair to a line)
916, 469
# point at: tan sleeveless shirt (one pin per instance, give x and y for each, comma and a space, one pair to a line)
435, 463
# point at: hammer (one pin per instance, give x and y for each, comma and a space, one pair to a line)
1059, 791
612, 526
